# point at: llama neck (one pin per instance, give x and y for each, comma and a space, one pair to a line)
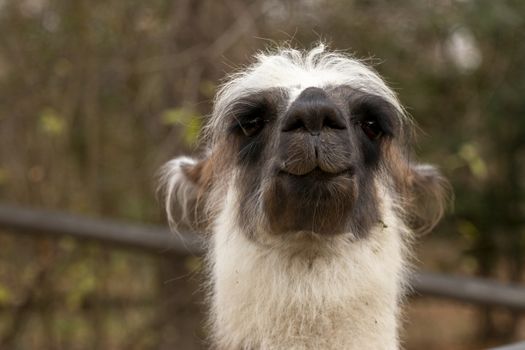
338, 295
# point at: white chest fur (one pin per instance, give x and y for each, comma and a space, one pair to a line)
334, 294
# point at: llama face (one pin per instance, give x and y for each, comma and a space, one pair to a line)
305, 142
311, 163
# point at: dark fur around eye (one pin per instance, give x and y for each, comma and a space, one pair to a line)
249, 117
374, 116
371, 128
252, 126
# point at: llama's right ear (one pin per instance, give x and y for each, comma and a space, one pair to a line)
183, 185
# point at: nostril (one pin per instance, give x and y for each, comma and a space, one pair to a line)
294, 125
333, 124
332, 120
327, 121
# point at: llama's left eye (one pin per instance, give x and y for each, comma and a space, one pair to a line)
252, 127
372, 129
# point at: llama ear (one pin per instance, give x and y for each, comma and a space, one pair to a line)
430, 194
183, 184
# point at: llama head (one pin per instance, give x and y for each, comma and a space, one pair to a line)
305, 143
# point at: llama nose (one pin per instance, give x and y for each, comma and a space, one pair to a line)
312, 112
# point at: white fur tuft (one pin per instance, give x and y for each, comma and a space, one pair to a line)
176, 188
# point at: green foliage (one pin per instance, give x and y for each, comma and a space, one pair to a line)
468, 230
188, 120
82, 279
5, 295
51, 122
4, 176
469, 153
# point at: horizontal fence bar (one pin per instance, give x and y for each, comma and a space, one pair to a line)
145, 237
160, 240
517, 346
469, 289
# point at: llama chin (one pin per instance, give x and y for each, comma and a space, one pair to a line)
309, 196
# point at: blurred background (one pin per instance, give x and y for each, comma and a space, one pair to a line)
95, 95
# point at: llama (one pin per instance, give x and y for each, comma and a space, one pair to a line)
310, 197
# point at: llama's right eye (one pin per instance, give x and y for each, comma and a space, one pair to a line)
252, 127
250, 116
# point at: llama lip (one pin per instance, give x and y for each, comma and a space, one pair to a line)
317, 201
318, 174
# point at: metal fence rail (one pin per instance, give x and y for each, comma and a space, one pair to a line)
517, 346
160, 240
51, 223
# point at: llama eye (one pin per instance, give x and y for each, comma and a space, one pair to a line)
372, 129
252, 127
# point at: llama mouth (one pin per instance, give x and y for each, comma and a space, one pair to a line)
316, 186
318, 174
317, 201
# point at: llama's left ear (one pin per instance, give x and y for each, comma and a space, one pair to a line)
429, 195
183, 185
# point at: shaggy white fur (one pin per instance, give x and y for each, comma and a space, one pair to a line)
178, 189
296, 70
324, 294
